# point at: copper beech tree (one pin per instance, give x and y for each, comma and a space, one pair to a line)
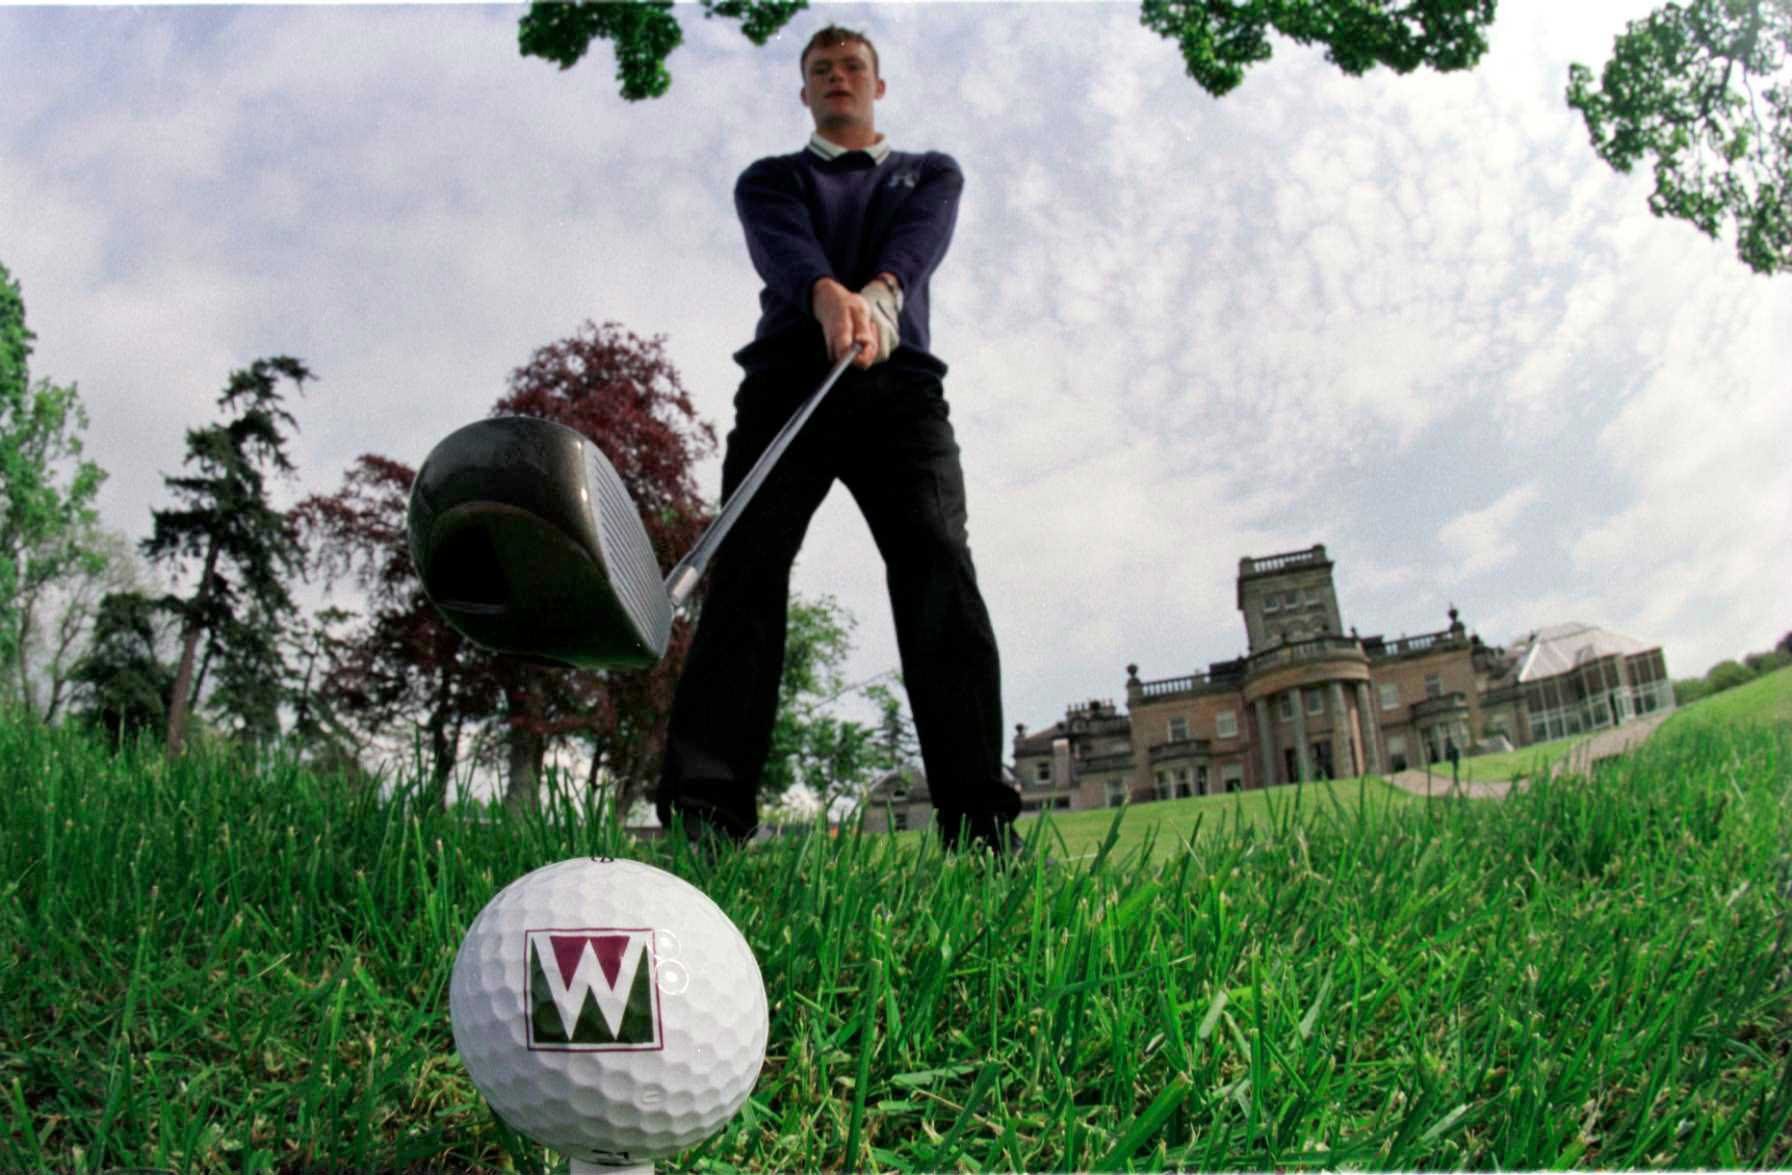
405, 665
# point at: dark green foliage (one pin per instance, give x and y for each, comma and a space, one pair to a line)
247, 551
123, 680
1701, 89
644, 32
1220, 39
759, 19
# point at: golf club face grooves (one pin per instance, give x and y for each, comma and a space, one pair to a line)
527, 542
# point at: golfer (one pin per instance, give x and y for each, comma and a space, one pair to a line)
845, 234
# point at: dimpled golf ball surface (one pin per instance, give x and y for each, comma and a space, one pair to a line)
608, 1010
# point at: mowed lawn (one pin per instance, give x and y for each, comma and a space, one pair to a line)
231, 965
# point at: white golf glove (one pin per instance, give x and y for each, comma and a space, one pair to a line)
886, 312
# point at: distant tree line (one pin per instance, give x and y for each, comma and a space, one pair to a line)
1730, 674
230, 659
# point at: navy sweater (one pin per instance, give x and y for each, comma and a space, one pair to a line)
849, 218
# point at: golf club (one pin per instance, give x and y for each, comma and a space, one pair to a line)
527, 542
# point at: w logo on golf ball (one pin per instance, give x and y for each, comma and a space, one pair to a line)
593, 990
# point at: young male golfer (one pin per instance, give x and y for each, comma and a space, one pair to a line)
845, 234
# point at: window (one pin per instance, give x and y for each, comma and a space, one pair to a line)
1285, 703
1434, 686
1232, 777
1184, 788
1315, 701
899, 820
1271, 606
1397, 753
1226, 724
1042, 771
1390, 696
1201, 781
1161, 787
1178, 730
1290, 599
1116, 789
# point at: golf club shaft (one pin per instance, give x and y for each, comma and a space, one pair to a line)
683, 578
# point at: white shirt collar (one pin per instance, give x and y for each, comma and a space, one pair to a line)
879, 151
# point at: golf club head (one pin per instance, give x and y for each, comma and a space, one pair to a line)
528, 544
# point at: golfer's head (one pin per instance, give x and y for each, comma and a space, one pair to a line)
840, 80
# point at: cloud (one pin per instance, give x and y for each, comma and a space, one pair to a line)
1483, 540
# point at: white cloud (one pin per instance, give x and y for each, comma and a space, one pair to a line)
1485, 539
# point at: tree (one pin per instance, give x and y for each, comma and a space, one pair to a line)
246, 549
123, 684
1220, 39
1693, 86
47, 519
1727, 675
644, 31
622, 393
811, 746
59, 617
405, 664
402, 667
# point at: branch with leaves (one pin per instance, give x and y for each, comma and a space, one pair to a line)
1703, 90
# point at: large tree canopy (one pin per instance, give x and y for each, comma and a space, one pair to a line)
1702, 88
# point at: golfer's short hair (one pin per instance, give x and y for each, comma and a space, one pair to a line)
835, 35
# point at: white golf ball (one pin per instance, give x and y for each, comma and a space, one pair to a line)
608, 1010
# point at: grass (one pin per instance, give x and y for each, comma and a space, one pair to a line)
1526, 761
1168, 826
1765, 700
217, 965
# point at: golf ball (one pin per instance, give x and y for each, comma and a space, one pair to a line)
608, 1010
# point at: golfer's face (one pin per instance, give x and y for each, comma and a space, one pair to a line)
840, 84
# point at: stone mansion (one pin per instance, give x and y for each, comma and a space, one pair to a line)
1309, 702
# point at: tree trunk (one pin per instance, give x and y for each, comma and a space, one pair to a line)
522, 782
441, 758
189, 647
444, 740
27, 695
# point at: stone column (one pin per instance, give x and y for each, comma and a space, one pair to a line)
1371, 732
1341, 765
1267, 735
1300, 734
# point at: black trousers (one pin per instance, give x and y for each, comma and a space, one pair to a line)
886, 435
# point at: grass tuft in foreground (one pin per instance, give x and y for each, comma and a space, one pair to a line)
214, 965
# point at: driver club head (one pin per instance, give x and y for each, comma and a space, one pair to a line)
527, 542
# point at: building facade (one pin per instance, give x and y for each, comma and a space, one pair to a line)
1312, 701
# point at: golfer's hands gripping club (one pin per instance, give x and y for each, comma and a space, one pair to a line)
885, 300
847, 319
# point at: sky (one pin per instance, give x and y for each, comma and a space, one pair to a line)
1413, 318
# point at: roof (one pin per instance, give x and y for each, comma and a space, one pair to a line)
1561, 648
